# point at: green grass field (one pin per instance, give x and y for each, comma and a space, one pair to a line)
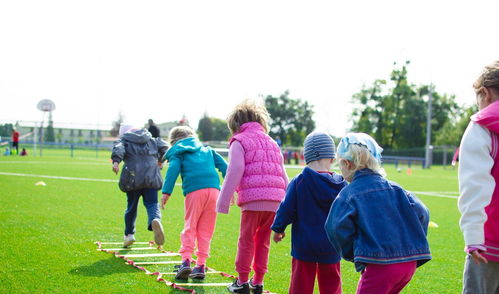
48, 232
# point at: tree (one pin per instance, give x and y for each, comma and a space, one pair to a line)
395, 113
49, 135
452, 131
212, 129
6, 130
115, 130
205, 128
220, 129
290, 119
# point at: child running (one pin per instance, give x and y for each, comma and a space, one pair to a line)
308, 200
140, 176
479, 187
256, 171
375, 223
200, 184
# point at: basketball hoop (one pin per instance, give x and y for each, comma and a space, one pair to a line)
46, 105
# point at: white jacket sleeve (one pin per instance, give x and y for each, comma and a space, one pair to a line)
476, 184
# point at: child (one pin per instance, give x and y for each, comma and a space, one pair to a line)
140, 176
375, 223
256, 171
24, 152
479, 188
308, 200
201, 184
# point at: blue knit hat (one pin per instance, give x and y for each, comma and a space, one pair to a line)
318, 145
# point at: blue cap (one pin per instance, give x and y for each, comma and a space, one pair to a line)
318, 145
362, 139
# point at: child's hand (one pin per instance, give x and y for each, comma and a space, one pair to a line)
116, 167
160, 165
279, 236
164, 199
478, 258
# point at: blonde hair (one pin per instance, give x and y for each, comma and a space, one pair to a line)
179, 133
489, 78
362, 158
248, 111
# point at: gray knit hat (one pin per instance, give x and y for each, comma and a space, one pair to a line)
318, 145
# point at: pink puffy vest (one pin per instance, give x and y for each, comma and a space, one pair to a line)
489, 118
263, 178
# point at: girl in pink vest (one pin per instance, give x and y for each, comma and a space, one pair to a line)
479, 187
256, 172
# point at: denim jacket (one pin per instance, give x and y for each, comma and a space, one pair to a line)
376, 221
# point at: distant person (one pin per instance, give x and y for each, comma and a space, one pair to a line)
197, 165
308, 200
375, 223
140, 176
256, 171
153, 129
455, 157
15, 141
479, 187
7, 152
24, 152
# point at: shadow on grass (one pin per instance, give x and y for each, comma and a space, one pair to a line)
102, 268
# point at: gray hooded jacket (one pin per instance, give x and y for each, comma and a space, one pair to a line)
141, 153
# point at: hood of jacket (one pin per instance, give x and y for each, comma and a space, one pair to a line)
488, 117
321, 184
141, 136
190, 144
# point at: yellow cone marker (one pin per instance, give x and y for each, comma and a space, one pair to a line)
432, 225
40, 183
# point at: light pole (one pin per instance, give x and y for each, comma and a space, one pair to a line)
428, 146
45, 105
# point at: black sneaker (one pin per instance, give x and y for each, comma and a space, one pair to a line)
198, 272
256, 289
236, 288
184, 270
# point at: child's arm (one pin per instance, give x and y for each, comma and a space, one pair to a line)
174, 164
340, 227
118, 152
235, 172
162, 148
476, 184
220, 163
286, 214
420, 209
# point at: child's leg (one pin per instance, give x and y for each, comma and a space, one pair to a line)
131, 211
245, 245
302, 277
150, 200
480, 279
386, 278
206, 224
262, 245
329, 278
192, 210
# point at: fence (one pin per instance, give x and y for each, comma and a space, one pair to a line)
73, 150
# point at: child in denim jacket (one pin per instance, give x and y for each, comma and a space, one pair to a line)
375, 223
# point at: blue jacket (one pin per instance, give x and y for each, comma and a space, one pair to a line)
308, 199
376, 221
196, 165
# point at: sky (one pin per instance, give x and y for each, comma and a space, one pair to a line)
164, 59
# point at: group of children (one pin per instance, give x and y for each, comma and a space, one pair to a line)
359, 215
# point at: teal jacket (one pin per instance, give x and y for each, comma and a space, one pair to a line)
196, 165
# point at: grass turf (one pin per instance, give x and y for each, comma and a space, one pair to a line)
48, 232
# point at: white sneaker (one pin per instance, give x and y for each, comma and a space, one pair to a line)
129, 239
159, 236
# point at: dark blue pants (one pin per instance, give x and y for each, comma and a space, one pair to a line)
150, 200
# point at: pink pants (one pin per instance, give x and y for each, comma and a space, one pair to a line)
386, 278
200, 217
303, 277
254, 244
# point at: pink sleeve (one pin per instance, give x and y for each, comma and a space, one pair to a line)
286, 179
235, 172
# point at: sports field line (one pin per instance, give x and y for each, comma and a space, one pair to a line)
62, 178
436, 194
